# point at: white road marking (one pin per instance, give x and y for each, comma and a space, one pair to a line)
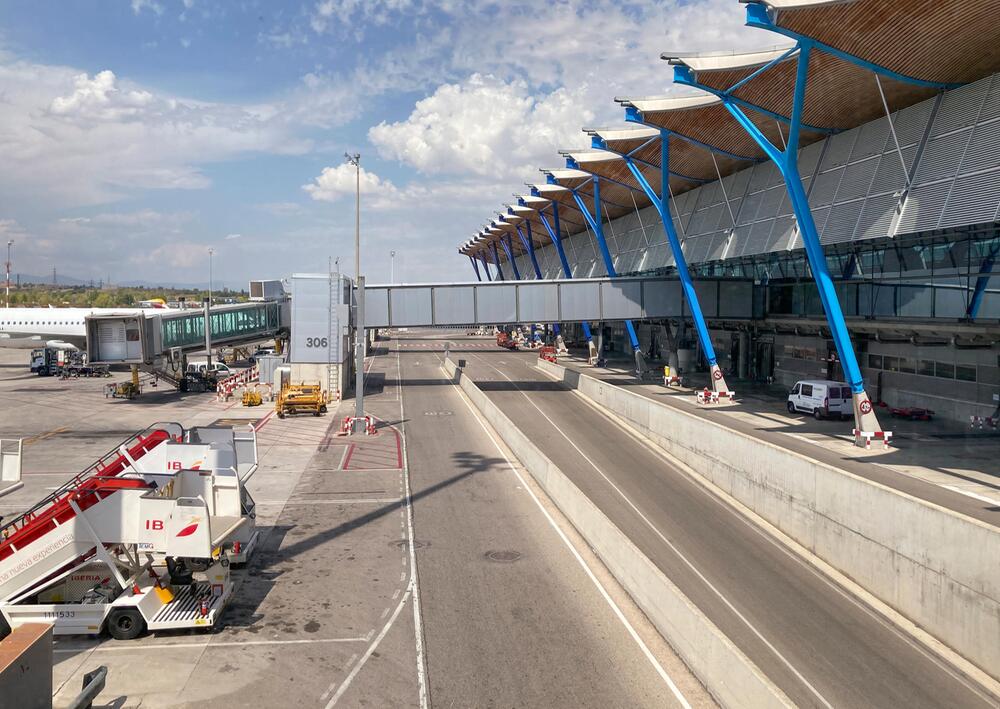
669, 544
346, 501
131, 647
983, 498
590, 574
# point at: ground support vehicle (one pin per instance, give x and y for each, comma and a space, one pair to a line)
821, 398
914, 413
301, 399
548, 353
142, 539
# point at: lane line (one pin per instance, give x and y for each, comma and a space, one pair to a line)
208, 644
418, 627
670, 545
675, 690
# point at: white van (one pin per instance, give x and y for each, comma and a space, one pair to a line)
821, 398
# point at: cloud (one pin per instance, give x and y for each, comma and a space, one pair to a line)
73, 139
233, 237
139, 5
335, 183
484, 126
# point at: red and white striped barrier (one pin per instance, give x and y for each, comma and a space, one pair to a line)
225, 387
982, 422
673, 380
347, 427
707, 396
869, 436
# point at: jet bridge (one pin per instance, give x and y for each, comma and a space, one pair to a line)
577, 300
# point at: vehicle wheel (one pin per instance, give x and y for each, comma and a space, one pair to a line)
322, 409
126, 624
817, 414
791, 408
281, 414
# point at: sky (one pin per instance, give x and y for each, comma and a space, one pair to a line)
135, 135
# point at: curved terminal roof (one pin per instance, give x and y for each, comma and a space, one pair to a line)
919, 47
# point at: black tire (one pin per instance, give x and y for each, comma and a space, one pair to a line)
4, 627
791, 407
818, 414
126, 624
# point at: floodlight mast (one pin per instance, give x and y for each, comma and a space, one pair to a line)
359, 313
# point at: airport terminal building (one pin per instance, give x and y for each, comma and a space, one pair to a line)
898, 153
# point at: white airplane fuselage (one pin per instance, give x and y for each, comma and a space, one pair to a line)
28, 328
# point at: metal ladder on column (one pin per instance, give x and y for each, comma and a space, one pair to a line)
333, 336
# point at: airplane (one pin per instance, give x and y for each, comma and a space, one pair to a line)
61, 328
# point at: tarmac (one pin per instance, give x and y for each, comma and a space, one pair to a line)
417, 567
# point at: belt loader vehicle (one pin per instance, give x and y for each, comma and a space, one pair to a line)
143, 539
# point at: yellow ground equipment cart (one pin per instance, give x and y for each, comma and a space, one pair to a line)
301, 399
252, 397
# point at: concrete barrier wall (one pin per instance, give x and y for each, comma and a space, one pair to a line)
938, 568
727, 673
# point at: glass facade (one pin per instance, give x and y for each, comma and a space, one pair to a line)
189, 329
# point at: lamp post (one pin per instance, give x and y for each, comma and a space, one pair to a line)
10, 243
359, 313
211, 252
392, 268
208, 312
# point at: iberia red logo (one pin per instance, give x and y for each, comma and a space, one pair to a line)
188, 530
197, 465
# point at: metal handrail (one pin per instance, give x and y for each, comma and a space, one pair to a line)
93, 685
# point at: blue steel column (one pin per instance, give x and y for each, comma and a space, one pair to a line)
496, 261
595, 221
687, 285
530, 246
486, 266
475, 267
567, 271
505, 243
787, 163
985, 271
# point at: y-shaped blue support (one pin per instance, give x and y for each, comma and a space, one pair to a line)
787, 162
475, 267
505, 242
486, 266
529, 245
687, 285
496, 261
984, 279
595, 221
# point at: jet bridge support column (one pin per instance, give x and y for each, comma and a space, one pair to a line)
557, 242
529, 246
866, 423
719, 387
595, 221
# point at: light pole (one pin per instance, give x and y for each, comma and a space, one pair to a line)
392, 268
208, 313
10, 243
211, 252
359, 313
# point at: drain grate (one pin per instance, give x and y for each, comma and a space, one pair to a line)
507, 556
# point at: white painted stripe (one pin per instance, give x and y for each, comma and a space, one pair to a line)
984, 498
138, 647
345, 501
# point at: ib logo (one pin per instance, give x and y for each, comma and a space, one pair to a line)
176, 465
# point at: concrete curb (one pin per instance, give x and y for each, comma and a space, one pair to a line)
934, 566
730, 676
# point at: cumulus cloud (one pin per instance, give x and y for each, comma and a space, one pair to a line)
484, 126
73, 139
335, 183
139, 5
233, 237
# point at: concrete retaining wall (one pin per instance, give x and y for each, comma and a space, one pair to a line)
938, 568
727, 673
